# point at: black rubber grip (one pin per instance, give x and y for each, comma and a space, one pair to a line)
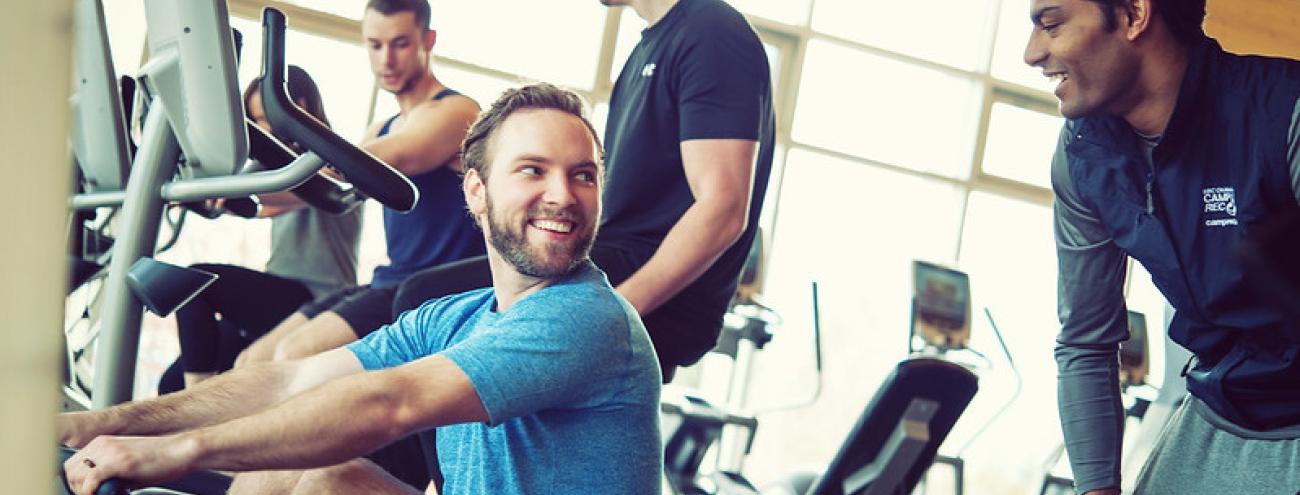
372, 176
318, 191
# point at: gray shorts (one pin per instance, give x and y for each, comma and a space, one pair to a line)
1200, 452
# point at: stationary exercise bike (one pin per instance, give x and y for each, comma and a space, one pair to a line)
195, 145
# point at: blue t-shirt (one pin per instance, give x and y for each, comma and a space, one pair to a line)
567, 376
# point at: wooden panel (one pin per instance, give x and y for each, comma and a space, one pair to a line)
1265, 27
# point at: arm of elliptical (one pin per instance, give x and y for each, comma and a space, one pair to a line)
372, 176
318, 191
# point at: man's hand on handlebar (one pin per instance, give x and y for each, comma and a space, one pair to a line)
333, 173
139, 460
76, 429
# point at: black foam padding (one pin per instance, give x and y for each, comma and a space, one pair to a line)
373, 177
318, 191
164, 287
950, 385
242, 207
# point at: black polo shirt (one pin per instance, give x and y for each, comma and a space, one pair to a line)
699, 73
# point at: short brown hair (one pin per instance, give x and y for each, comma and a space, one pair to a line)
1185, 18
475, 150
418, 7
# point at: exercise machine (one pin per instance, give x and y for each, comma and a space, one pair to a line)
895, 439
195, 145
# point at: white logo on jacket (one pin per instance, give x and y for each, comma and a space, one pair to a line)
648, 70
1220, 206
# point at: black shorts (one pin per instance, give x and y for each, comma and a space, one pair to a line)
364, 307
405, 459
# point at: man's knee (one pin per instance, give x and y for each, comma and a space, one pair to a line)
355, 476
268, 482
322, 333
329, 479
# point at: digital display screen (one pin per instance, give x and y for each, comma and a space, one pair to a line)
940, 305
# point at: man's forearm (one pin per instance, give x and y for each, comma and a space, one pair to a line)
279, 203
698, 238
221, 398
1092, 415
341, 420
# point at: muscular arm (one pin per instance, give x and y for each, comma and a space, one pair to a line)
278, 203
429, 136
1093, 322
226, 396
361, 412
720, 173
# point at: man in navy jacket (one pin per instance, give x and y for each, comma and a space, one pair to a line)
1173, 152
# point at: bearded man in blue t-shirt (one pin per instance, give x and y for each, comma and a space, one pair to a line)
545, 382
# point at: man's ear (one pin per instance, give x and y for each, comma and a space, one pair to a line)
475, 193
430, 39
1139, 16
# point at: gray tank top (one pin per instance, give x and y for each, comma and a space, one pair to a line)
316, 248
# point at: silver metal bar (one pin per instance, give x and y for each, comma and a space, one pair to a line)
155, 163
267, 181
216, 187
90, 201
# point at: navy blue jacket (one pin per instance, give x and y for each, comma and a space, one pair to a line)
1179, 205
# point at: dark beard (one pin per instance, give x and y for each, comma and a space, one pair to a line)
514, 248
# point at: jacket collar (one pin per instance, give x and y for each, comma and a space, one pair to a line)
1113, 132
1194, 94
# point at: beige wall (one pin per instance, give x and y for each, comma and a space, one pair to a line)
36, 55
1265, 27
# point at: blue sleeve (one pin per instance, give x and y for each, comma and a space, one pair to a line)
546, 352
723, 82
411, 337
1090, 304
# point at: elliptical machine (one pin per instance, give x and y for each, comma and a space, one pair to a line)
895, 439
196, 145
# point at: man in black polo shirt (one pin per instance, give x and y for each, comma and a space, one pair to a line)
689, 148
688, 151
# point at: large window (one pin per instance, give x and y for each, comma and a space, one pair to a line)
886, 110
942, 31
511, 35
1019, 144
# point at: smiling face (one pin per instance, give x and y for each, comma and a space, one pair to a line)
540, 201
397, 47
1095, 65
